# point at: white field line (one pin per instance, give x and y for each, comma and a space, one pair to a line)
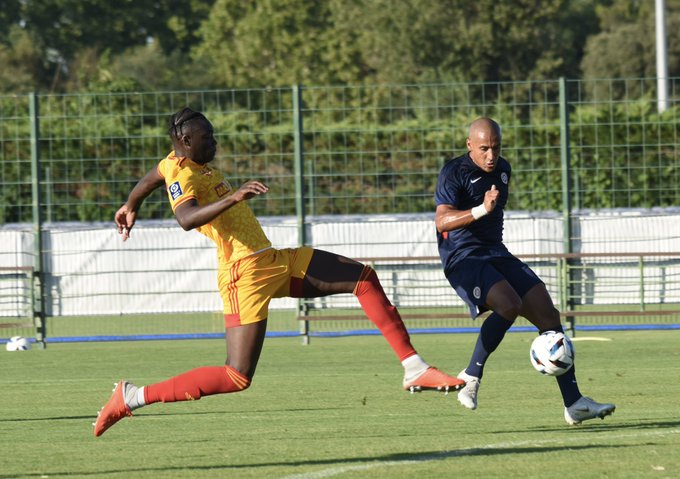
334, 471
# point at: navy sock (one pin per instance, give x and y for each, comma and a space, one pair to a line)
490, 336
567, 383
569, 387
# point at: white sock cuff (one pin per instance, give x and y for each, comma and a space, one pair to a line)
414, 364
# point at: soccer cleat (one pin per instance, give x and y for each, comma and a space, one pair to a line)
468, 395
584, 409
433, 379
113, 411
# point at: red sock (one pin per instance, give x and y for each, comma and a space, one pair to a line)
381, 312
194, 384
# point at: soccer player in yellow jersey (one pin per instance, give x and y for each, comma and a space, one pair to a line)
250, 273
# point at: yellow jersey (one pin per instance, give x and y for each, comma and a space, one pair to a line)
236, 231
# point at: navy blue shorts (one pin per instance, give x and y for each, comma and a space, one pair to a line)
473, 277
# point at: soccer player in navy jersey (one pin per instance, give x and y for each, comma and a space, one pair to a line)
472, 191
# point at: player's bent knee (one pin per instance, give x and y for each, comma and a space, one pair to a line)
368, 282
236, 380
549, 321
509, 311
369, 274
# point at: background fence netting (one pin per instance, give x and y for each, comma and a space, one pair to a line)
351, 169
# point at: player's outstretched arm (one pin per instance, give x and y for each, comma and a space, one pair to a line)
191, 215
126, 216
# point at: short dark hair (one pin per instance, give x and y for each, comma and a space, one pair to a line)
179, 119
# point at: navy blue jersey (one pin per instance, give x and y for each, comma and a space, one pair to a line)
462, 184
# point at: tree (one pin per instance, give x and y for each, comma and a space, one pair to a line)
280, 42
62, 29
10, 14
626, 46
485, 40
21, 62
276, 43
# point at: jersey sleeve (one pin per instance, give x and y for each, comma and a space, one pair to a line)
446, 192
179, 183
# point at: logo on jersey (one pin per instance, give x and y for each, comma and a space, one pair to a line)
206, 171
504, 178
475, 180
477, 292
175, 190
221, 190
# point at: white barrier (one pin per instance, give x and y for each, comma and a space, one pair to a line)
162, 268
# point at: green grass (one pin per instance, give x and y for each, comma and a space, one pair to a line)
335, 409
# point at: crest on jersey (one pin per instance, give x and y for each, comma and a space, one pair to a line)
477, 292
504, 178
175, 190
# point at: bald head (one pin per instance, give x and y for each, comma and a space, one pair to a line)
484, 127
484, 143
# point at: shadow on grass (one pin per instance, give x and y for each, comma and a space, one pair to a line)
339, 463
195, 413
608, 425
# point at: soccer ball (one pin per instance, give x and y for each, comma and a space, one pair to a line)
552, 353
18, 343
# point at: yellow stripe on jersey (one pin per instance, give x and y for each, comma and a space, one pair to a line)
236, 231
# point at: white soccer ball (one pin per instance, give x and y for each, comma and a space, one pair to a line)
18, 343
552, 353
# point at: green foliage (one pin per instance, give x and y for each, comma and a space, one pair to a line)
270, 43
10, 14
619, 159
626, 46
150, 69
284, 42
62, 32
162, 44
15, 157
21, 62
367, 150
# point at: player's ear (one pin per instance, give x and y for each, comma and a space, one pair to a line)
186, 141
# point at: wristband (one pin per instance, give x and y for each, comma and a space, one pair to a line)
479, 211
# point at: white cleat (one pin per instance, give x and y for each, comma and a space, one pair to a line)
467, 396
584, 409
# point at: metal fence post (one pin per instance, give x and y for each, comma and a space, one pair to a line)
298, 137
565, 156
38, 274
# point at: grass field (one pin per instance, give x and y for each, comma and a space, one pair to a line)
335, 409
